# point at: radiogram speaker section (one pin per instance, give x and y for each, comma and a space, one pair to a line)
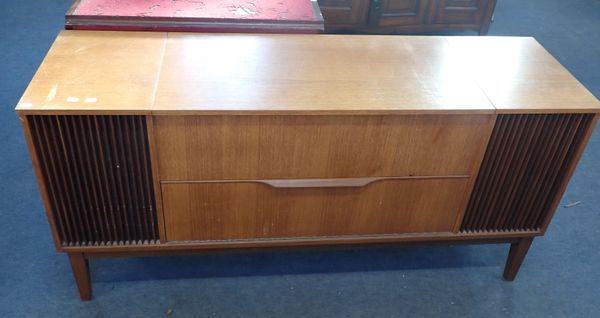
98, 177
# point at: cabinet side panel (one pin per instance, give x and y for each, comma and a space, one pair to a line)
96, 170
528, 159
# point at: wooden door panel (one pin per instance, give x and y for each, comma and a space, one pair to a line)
296, 147
251, 210
457, 3
398, 12
344, 12
407, 6
460, 11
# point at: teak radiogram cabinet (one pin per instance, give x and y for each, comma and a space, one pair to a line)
160, 143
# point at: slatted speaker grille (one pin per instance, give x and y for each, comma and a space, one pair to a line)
526, 161
98, 178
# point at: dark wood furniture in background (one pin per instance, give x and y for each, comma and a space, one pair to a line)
407, 16
178, 143
356, 16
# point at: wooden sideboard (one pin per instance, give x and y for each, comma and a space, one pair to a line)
156, 143
407, 16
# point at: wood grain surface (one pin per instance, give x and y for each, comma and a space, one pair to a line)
344, 139
221, 211
315, 74
519, 75
97, 72
160, 73
297, 147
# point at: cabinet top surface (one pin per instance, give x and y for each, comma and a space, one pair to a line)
169, 73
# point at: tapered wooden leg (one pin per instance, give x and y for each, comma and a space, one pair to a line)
81, 271
516, 255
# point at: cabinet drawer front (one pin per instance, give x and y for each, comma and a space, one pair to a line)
250, 210
298, 147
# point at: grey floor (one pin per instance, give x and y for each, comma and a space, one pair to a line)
560, 277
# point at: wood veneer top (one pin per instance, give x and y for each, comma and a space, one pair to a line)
97, 71
168, 73
323, 73
518, 74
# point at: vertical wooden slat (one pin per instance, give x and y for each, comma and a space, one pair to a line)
70, 188
486, 174
530, 173
551, 175
535, 129
526, 162
576, 150
107, 183
497, 159
121, 172
115, 170
133, 183
475, 170
74, 162
139, 166
507, 159
55, 202
532, 168
97, 173
90, 179
151, 178
54, 149
547, 153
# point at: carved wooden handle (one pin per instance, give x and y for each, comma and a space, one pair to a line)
343, 182
321, 183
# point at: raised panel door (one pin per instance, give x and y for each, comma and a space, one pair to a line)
460, 11
344, 12
398, 12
